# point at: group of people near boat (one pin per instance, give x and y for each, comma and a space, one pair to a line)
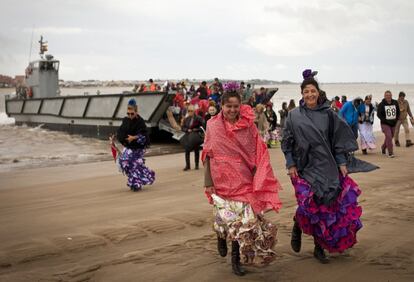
239, 180
191, 111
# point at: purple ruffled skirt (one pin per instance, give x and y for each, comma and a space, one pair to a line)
334, 227
132, 163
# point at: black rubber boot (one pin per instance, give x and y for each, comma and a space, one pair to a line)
296, 238
235, 259
364, 152
397, 143
222, 246
319, 254
197, 157
408, 143
187, 161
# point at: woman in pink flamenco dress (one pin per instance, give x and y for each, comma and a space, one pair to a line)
240, 183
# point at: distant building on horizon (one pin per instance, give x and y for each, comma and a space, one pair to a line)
19, 79
8, 81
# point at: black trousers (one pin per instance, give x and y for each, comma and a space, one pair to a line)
196, 157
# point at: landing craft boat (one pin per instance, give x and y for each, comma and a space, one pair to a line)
40, 103
88, 115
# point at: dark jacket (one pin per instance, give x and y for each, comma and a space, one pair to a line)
307, 144
388, 113
203, 93
133, 127
363, 115
192, 140
271, 119
194, 123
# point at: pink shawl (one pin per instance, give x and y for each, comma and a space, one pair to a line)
239, 162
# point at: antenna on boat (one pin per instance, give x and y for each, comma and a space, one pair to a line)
43, 46
31, 44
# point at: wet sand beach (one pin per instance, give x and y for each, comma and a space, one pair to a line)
80, 223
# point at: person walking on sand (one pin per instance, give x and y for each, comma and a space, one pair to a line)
262, 122
388, 112
133, 135
292, 105
283, 114
239, 181
366, 116
349, 112
271, 116
315, 141
405, 111
336, 104
192, 139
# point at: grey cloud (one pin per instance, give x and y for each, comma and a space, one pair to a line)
239, 39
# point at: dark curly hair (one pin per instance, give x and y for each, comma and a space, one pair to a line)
230, 94
311, 81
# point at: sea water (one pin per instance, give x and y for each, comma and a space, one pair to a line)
22, 146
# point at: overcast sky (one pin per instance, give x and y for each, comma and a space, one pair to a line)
347, 41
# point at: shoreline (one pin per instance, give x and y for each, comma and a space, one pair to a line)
12, 164
81, 223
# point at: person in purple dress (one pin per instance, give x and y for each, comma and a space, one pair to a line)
133, 135
315, 144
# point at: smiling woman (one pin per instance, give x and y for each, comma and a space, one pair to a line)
239, 181
315, 143
310, 93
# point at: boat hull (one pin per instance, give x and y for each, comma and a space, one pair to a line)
92, 116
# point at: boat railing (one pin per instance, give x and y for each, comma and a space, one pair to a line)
110, 107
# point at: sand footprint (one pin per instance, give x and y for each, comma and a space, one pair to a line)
28, 252
196, 220
123, 233
160, 226
75, 243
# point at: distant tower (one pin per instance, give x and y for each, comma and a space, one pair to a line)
42, 76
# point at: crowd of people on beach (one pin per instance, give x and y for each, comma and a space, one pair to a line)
360, 113
192, 108
234, 125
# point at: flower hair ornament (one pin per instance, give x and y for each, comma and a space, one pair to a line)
309, 74
231, 86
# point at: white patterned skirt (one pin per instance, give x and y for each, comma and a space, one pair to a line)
367, 136
256, 236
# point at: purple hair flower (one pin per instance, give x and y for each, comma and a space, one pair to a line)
231, 86
308, 73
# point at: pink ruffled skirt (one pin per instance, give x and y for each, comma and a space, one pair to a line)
334, 227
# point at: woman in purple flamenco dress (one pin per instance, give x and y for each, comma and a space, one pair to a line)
315, 144
133, 135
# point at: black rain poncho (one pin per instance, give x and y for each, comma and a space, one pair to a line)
307, 145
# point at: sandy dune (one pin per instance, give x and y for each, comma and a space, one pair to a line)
80, 223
